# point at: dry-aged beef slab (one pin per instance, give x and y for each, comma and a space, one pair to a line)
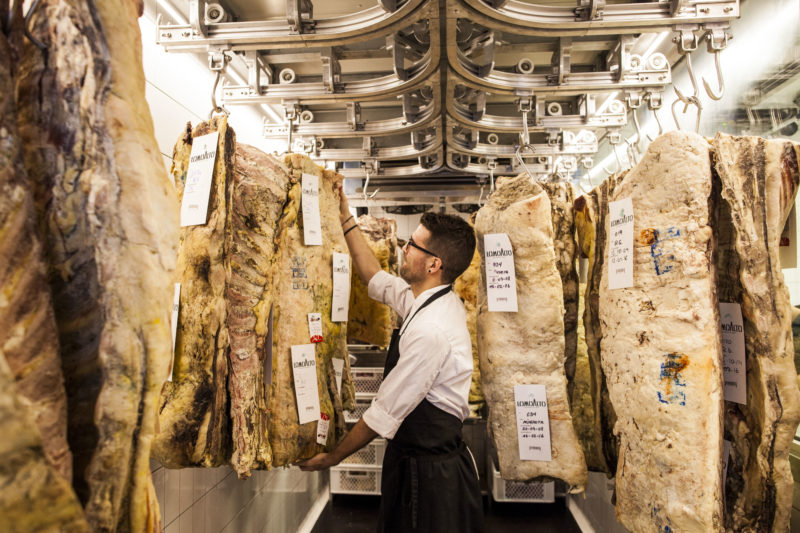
466, 286
256, 194
34, 497
369, 320
758, 181
194, 419
661, 350
562, 197
28, 331
109, 219
303, 284
600, 444
526, 347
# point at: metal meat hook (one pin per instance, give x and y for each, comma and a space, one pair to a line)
31, 38
368, 197
520, 159
658, 121
619, 161
720, 79
214, 107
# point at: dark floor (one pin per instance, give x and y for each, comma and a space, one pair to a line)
358, 514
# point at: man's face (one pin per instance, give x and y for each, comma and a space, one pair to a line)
416, 262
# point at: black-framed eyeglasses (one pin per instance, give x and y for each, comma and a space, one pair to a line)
410, 242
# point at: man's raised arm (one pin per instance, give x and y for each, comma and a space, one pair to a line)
366, 263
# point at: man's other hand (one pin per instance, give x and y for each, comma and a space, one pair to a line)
321, 461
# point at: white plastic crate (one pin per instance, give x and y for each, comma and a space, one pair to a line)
369, 455
366, 380
520, 491
356, 480
363, 401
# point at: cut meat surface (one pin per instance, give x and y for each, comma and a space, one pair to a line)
591, 211
369, 320
256, 193
661, 350
758, 182
194, 419
526, 347
33, 495
561, 199
109, 220
28, 331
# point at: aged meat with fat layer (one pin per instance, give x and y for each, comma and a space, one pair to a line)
303, 284
109, 219
661, 350
466, 286
526, 347
28, 331
194, 420
758, 182
368, 320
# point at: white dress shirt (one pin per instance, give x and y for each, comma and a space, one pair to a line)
435, 356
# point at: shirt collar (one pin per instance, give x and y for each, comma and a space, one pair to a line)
424, 295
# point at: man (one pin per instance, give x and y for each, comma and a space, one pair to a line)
429, 481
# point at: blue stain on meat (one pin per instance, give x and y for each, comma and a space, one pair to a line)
671, 378
662, 263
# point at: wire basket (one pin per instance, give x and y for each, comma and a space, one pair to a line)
369, 455
366, 380
363, 401
351, 480
520, 491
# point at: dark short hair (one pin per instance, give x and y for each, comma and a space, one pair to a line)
453, 240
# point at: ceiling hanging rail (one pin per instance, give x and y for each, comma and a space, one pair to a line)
593, 16
278, 34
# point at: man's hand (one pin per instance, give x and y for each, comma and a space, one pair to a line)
321, 461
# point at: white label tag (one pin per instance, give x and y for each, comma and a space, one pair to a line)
734, 369
620, 244
338, 370
176, 307
533, 422
199, 177
323, 424
312, 230
304, 369
501, 280
315, 327
726, 456
341, 287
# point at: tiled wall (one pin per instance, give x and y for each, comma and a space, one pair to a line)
215, 500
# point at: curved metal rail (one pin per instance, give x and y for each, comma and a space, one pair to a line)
501, 82
277, 34
427, 115
540, 19
429, 146
397, 172
514, 124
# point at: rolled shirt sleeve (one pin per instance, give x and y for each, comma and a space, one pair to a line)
423, 352
392, 291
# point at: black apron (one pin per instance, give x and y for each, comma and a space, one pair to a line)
429, 483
